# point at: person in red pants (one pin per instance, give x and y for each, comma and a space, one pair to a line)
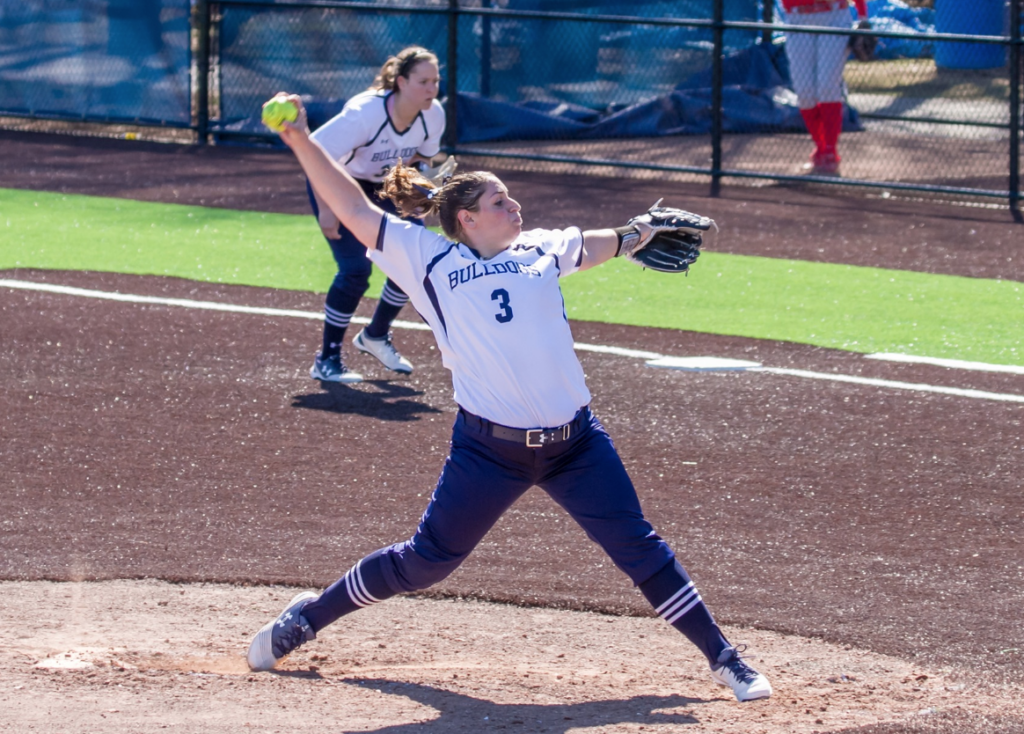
816, 62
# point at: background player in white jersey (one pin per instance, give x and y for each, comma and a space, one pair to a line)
398, 118
491, 295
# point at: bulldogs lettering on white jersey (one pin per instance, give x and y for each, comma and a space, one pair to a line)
500, 323
365, 117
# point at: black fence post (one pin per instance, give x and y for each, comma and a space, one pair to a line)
1015, 92
485, 52
451, 131
201, 24
767, 17
716, 97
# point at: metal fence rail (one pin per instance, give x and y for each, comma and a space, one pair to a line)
912, 124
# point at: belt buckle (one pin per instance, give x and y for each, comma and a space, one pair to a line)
545, 437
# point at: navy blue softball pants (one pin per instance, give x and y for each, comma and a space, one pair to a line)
482, 477
354, 267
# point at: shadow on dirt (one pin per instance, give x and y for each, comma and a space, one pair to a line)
388, 402
460, 713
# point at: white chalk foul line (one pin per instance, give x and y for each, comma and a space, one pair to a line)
959, 392
618, 351
186, 303
956, 364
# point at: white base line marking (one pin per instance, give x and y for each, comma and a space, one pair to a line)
980, 394
636, 353
703, 364
185, 303
618, 351
956, 364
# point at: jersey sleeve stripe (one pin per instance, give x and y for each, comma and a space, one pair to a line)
379, 245
432, 295
428, 286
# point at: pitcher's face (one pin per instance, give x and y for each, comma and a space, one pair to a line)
499, 214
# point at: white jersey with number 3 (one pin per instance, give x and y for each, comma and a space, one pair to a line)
363, 138
500, 323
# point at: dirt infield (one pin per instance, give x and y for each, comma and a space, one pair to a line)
173, 468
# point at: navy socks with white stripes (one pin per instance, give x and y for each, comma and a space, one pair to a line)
338, 310
341, 305
392, 299
670, 591
676, 600
333, 337
381, 322
362, 586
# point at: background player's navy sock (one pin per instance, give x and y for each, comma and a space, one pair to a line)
338, 309
333, 337
392, 299
675, 599
381, 323
362, 586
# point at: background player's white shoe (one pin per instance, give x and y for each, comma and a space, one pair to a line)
383, 350
333, 369
746, 683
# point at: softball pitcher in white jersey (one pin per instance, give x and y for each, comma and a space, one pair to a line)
491, 294
399, 118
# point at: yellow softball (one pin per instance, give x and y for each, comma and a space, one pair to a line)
278, 111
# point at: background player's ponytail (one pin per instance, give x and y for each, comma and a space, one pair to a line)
416, 196
401, 65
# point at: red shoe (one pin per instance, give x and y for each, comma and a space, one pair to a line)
822, 164
827, 165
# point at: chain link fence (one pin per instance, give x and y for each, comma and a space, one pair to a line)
95, 62
681, 89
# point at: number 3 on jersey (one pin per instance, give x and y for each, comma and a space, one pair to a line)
501, 296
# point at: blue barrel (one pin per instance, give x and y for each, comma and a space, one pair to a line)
973, 18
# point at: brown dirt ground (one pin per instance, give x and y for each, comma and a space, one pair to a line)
170, 476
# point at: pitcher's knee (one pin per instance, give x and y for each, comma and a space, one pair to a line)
640, 557
414, 569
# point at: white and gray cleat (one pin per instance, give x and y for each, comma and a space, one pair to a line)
282, 635
383, 350
332, 369
732, 671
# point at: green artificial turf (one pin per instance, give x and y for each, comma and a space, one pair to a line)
838, 306
64, 232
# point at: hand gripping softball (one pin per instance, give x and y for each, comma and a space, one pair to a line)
664, 239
